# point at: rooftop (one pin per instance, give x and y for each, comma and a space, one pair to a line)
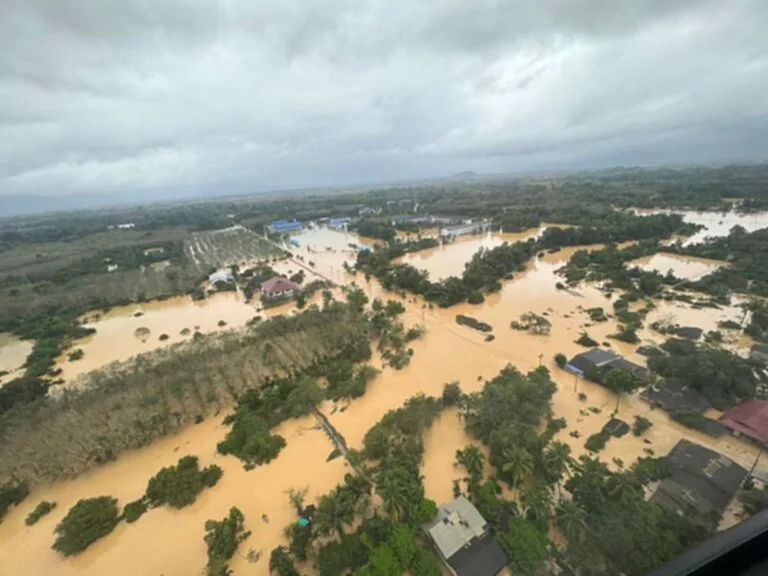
595, 358
672, 396
702, 480
278, 284
456, 525
749, 418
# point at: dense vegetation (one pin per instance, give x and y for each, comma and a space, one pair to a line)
488, 267
86, 522
178, 486
129, 405
720, 376
222, 537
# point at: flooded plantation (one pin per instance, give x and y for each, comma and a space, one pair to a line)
449, 352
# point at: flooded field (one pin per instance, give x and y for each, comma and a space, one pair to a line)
449, 260
13, 354
449, 352
715, 223
687, 267
122, 333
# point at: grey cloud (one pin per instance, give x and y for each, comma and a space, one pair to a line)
174, 97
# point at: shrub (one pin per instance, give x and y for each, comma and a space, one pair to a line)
596, 442
561, 359
222, 538
476, 297
641, 426
451, 394
75, 355
10, 495
163, 337
221, 323
134, 510
40, 510
586, 341
179, 485
597, 314
86, 522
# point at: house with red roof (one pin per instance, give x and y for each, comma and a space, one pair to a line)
750, 419
278, 286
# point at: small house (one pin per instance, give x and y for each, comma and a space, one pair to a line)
220, 276
464, 541
750, 419
587, 362
701, 484
278, 286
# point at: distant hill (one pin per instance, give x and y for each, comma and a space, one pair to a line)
468, 175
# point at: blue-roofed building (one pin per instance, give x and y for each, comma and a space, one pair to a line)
338, 223
284, 226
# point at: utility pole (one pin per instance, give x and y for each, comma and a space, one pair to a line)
541, 358
575, 382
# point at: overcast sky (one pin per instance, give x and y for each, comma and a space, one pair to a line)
169, 97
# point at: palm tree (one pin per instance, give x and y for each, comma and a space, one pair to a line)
472, 458
297, 498
557, 460
333, 511
624, 488
571, 520
394, 494
537, 500
518, 465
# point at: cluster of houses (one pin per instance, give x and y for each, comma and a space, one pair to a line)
275, 287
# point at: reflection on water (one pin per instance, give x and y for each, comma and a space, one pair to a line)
449, 352
13, 354
687, 267
715, 223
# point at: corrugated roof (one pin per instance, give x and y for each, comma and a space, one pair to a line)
749, 418
457, 524
278, 284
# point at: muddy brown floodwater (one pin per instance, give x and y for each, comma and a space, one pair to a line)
715, 223
448, 352
116, 338
449, 259
686, 267
13, 354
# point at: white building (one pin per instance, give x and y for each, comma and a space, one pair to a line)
220, 276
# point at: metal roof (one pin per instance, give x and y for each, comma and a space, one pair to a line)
457, 525
749, 418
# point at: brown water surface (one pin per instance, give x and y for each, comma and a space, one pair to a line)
13, 354
688, 267
449, 352
715, 223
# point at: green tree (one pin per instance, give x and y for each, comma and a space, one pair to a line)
383, 562
561, 359
556, 460
357, 300
517, 466
40, 510
86, 522
425, 564
334, 511
451, 393
222, 538
571, 520
473, 460
297, 497
620, 382
525, 545
537, 501
403, 544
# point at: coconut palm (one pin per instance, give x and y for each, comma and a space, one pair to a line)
517, 466
624, 488
394, 494
334, 511
571, 520
557, 460
537, 500
472, 458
